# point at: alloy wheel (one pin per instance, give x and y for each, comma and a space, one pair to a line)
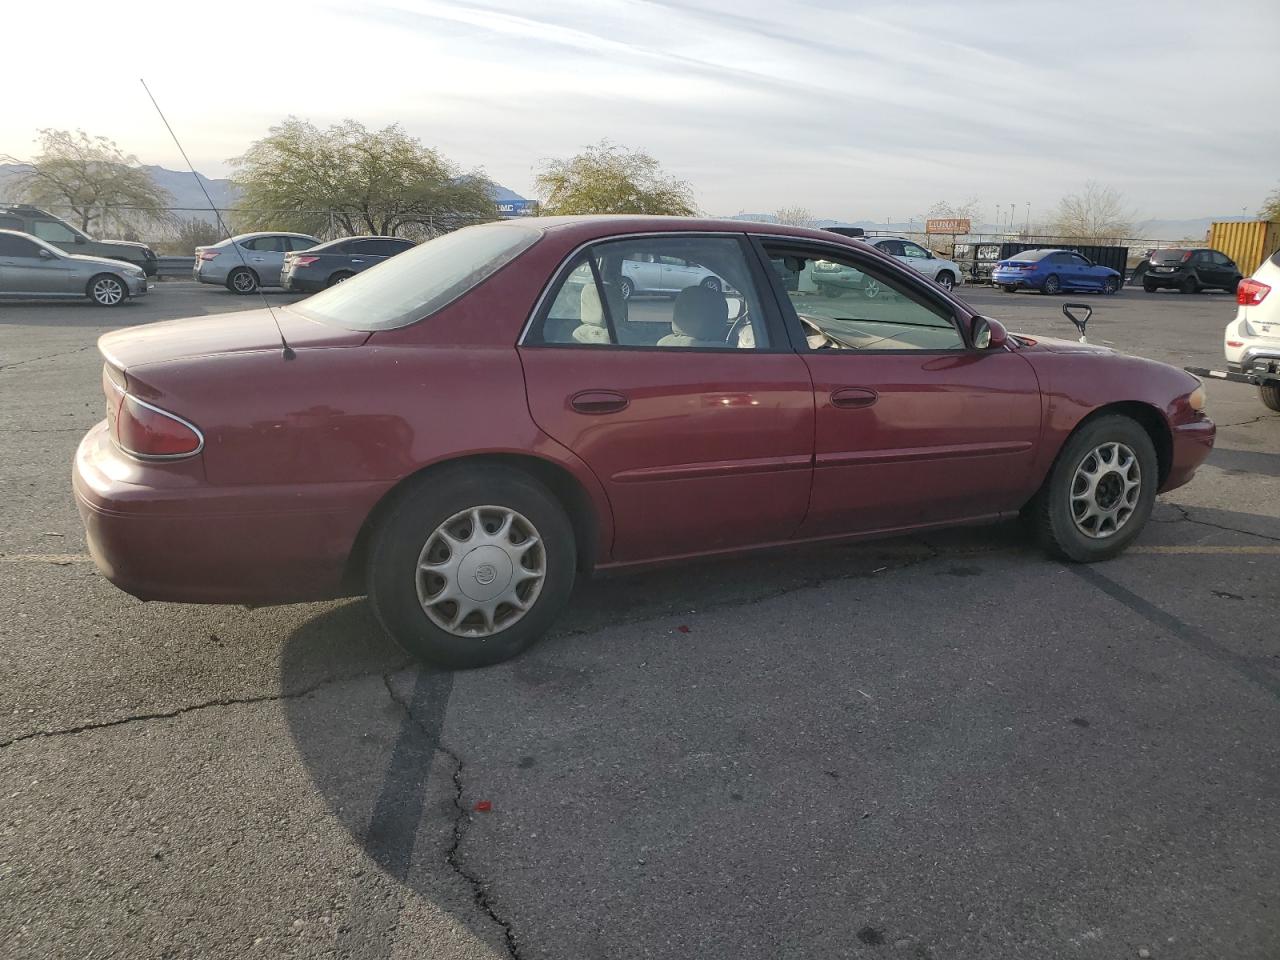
481, 571
244, 282
1105, 490
108, 291
871, 288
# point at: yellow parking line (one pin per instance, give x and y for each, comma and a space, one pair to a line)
1205, 549
59, 558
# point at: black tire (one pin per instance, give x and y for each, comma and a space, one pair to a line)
242, 281
711, 283
1189, 285
1009, 287
107, 290
1235, 285
392, 569
1051, 511
1052, 286
946, 279
338, 277
1110, 286
1269, 394
1149, 287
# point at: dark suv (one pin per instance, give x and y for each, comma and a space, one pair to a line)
64, 236
325, 264
1190, 270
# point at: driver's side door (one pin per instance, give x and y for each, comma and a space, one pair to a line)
913, 426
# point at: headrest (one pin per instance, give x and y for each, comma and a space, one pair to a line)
589, 310
700, 313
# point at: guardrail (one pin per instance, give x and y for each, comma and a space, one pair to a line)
174, 266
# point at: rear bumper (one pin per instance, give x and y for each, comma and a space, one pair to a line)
301, 284
165, 534
1192, 444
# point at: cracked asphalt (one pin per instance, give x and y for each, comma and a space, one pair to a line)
942, 747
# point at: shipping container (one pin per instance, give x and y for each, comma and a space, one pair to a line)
1247, 242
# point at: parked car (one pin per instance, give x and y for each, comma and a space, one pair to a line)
945, 273
62, 235
1054, 271
246, 262
1252, 339
1190, 271
464, 431
650, 273
31, 268
328, 263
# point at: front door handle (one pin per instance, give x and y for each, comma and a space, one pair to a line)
598, 401
356, 260
850, 398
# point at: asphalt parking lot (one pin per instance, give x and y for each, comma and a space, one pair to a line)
941, 747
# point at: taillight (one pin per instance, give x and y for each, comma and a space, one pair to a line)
208, 254
304, 261
1250, 293
143, 430
1187, 256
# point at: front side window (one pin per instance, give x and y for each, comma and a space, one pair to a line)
11, 246
53, 231
661, 292
845, 304
914, 252
416, 284
1078, 260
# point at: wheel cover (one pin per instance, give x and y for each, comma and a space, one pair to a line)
481, 571
871, 288
625, 288
946, 282
108, 291
1052, 284
1105, 490
243, 281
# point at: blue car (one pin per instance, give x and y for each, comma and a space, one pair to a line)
1053, 271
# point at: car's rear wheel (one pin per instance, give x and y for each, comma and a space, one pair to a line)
711, 283
1269, 394
242, 281
1110, 285
946, 280
471, 566
1100, 491
1009, 287
1052, 285
1189, 285
871, 288
338, 277
107, 291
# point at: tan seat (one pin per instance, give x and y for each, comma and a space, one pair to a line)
698, 319
593, 328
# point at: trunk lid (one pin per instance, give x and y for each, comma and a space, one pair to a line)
224, 333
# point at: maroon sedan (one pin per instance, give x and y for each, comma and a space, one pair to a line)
463, 430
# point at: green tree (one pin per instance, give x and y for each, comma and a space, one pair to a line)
385, 182
1271, 207
607, 178
102, 187
1096, 213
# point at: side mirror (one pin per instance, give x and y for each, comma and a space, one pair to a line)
45, 254
988, 334
1080, 322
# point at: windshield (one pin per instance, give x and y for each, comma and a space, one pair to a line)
1031, 256
418, 282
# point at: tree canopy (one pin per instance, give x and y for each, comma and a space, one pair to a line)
1271, 207
607, 178
101, 187
1096, 213
385, 182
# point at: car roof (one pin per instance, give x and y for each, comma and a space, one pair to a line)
266, 233
585, 228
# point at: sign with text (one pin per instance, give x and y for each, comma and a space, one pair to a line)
954, 225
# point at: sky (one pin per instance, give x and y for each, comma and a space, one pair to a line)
855, 111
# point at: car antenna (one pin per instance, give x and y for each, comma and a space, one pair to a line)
288, 350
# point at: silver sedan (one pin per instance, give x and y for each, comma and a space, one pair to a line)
30, 268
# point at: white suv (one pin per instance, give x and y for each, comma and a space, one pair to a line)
1252, 339
945, 273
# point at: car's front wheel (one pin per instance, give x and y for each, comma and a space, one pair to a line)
471, 566
1110, 285
1100, 491
626, 287
107, 290
712, 283
1148, 287
242, 281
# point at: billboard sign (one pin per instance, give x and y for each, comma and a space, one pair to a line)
517, 208
952, 225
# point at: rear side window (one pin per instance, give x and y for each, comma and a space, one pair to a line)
11, 223
421, 281
300, 243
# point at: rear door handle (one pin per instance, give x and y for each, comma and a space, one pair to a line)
356, 260
598, 401
850, 398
